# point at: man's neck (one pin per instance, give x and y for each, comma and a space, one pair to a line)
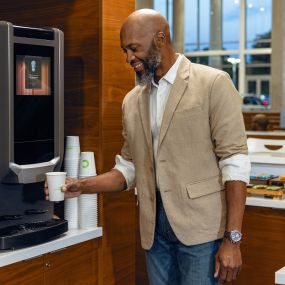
164, 67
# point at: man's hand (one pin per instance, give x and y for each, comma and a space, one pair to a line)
70, 189
228, 262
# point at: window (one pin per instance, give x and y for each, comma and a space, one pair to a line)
232, 35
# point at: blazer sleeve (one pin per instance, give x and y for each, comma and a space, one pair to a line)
226, 119
125, 151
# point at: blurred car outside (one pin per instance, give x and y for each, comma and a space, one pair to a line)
253, 102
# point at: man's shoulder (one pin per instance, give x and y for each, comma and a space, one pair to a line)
199, 72
132, 95
206, 70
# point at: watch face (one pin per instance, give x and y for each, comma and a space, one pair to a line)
235, 236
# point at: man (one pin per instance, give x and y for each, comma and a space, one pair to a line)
259, 123
185, 150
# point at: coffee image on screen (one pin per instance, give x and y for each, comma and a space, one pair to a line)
33, 75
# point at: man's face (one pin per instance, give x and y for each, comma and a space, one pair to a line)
150, 64
142, 55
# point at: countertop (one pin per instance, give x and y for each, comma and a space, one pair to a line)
275, 133
69, 238
265, 202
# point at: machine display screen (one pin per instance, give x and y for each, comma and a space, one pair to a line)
33, 103
33, 75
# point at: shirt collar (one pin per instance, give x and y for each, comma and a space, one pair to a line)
171, 73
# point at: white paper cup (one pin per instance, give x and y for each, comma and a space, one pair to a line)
72, 147
87, 211
87, 164
55, 180
71, 212
72, 141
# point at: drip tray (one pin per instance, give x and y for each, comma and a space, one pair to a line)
28, 234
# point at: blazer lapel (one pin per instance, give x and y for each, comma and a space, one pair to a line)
145, 116
175, 96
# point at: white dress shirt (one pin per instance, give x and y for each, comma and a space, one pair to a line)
236, 167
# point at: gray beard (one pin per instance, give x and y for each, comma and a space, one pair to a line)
150, 66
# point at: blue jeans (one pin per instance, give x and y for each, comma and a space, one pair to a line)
169, 262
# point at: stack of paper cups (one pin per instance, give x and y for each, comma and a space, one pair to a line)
71, 212
88, 212
87, 203
87, 165
72, 156
71, 167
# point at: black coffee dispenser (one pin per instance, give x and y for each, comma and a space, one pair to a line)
31, 132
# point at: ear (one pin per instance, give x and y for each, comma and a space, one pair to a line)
160, 39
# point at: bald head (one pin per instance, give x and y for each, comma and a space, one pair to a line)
146, 23
260, 122
145, 39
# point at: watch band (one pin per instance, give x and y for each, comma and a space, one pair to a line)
234, 236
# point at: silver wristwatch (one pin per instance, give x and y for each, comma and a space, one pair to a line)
233, 236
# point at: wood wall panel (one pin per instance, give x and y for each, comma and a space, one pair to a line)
73, 266
25, 273
96, 80
119, 209
263, 246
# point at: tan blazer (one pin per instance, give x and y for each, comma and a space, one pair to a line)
202, 124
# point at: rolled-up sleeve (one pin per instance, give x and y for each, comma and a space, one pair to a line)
127, 168
236, 167
124, 162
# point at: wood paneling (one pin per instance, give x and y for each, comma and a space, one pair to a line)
274, 120
28, 272
263, 246
96, 80
117, 78
77, 265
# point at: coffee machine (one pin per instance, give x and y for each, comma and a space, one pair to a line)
31, 132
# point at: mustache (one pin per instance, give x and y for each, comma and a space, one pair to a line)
150, 64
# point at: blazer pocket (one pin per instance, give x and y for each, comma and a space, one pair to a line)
204, 187
188, 112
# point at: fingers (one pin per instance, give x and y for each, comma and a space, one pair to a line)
70, 188
217, 267
46, 191
236, 273
228, 274
223, 275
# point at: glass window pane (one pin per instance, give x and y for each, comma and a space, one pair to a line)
231, 66
230, 23
220, 62
170, 15
204, 25
258, 64
191, 25
258, 72
251, 87
197, 25
165, 7
258, 23
160, 6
